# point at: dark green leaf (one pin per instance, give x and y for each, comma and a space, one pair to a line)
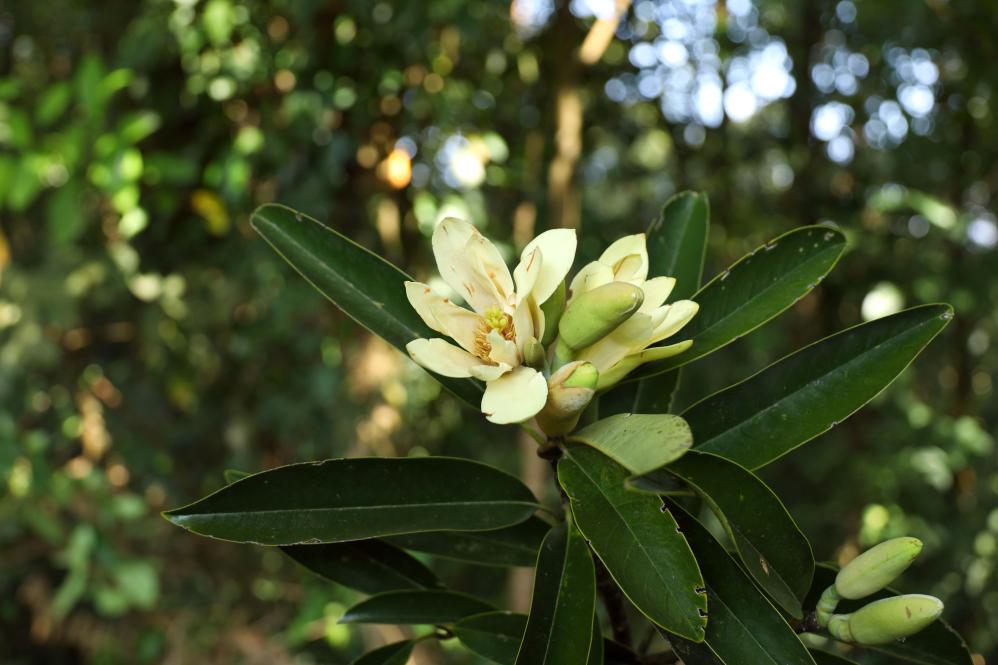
742, 626
808, 392
825, 658
564, 599
753, 290
937, 644
677, 242
369, 566
596, 644
355, 499
515, 545
638, 542
769, 543
391, 654
421, 606
367, 288
638, 442
492, 635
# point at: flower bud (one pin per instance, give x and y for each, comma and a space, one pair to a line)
877, 567
886, 620
570, 390
593, 315
533, 354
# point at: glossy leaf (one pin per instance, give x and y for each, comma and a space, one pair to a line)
596, 655
636, 540
363, 285
515, 545
492, 635
369, 566
564, 599
937, 644
754, 290
355, 499
804, 394
421, 606
768, 542
742, 626
638, 442
677, 242
391, 654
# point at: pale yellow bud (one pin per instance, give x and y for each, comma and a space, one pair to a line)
884, 621
877, 567
570, 390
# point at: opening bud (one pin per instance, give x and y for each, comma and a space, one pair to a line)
877, 567
886, 620
570, 390
593, 315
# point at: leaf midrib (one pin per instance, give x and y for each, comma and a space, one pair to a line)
385, 506
668, 590
801, 387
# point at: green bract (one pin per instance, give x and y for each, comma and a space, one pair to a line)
593, 360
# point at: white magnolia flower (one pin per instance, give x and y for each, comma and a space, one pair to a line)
626, 348
505, 314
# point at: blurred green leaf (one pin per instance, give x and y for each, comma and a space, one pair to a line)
354, 499
492, 635
396, 653
416, 607
365, 286
564, 599
808, 392
637, 541
370, 566
514, 545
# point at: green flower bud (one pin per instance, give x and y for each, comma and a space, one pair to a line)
552, 309
594, 314
877, 567
886, 620
570, 390
533, 354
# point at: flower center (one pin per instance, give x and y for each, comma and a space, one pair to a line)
496, 320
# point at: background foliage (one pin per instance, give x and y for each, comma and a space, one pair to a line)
149, 340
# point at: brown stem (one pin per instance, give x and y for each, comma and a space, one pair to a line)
613, 600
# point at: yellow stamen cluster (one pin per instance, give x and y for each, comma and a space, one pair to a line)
494, 319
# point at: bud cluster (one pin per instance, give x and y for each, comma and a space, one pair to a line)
885, 620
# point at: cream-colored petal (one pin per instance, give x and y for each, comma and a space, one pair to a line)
591, 276
524, 322
558, 253
635, 360
526, 273
628, 258
489, 372
449, 240
662, 352
503, 350
656, 289
442, 357
515, 396
487, 264
442, 315
422, 297
678, 315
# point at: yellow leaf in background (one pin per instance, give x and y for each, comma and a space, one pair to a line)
209, 206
